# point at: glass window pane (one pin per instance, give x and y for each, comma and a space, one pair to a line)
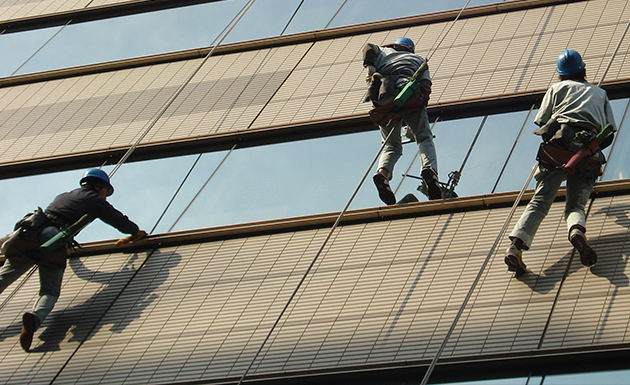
287, 180
363, 11
16, 48
619, 155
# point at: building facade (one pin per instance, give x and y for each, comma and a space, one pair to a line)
263, 276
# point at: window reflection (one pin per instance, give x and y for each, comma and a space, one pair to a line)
619, 156
16, 48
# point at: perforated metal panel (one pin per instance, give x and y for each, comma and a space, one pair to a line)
488, 56
381, 292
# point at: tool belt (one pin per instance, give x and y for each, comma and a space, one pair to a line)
556, 157
382, 115
24, 245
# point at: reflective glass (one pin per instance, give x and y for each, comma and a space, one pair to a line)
363, 11
286, 180
142, 192
619, 154
616, 377
16, 48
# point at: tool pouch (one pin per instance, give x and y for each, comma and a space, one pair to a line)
382, 115
26, 247
35, 220
553, 156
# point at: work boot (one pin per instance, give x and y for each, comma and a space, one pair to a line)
431, 179
384, 191
514, 260
30, 323
588, 257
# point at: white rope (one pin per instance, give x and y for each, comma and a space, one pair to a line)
165, 107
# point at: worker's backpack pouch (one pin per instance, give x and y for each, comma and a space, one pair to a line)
34, 220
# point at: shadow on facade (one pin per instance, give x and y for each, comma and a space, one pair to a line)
86, 319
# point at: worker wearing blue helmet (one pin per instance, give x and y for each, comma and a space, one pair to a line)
390, 67
22, 248
572, 115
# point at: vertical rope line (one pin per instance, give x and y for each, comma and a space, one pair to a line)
447, 32
42, 47
202, 188
330, 233
218, 126
507, 160
483, 123
165, 107
477, 278
181, 185
336, 13
413, 161
623, 36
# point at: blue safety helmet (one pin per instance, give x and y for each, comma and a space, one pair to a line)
97, 173
406, 42
570, 62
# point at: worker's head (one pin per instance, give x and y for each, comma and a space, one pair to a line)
97, 179
405, 42
570, 63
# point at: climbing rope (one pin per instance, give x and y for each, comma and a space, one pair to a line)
175, 95
40, 48
477, 278
518, 137
219, 125
330, 233
324, 243
495, 244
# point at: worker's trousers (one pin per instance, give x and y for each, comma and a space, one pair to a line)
547, 184
50, 278
418, 123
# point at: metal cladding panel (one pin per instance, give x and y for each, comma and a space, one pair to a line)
480, 57
227, 93
380, 292
20, 9
88, 290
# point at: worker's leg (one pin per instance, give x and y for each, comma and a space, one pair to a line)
578, 191
547, 183
50, 279
393, 147
11, 271
418, 122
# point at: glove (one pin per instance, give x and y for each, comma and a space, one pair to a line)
132, 238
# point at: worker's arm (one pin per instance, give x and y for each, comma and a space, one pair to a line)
545, 110
132, 238
370, 53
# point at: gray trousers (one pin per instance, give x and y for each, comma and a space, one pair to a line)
50, 279
548, 182
418, 123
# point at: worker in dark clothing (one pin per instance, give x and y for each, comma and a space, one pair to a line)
22, 247
571, 110
389, 68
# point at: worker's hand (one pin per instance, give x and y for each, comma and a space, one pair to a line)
132, 238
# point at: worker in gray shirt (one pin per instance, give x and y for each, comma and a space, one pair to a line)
22, 247
571, 111
389, 68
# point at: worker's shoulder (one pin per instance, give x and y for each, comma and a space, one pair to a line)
575, 84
